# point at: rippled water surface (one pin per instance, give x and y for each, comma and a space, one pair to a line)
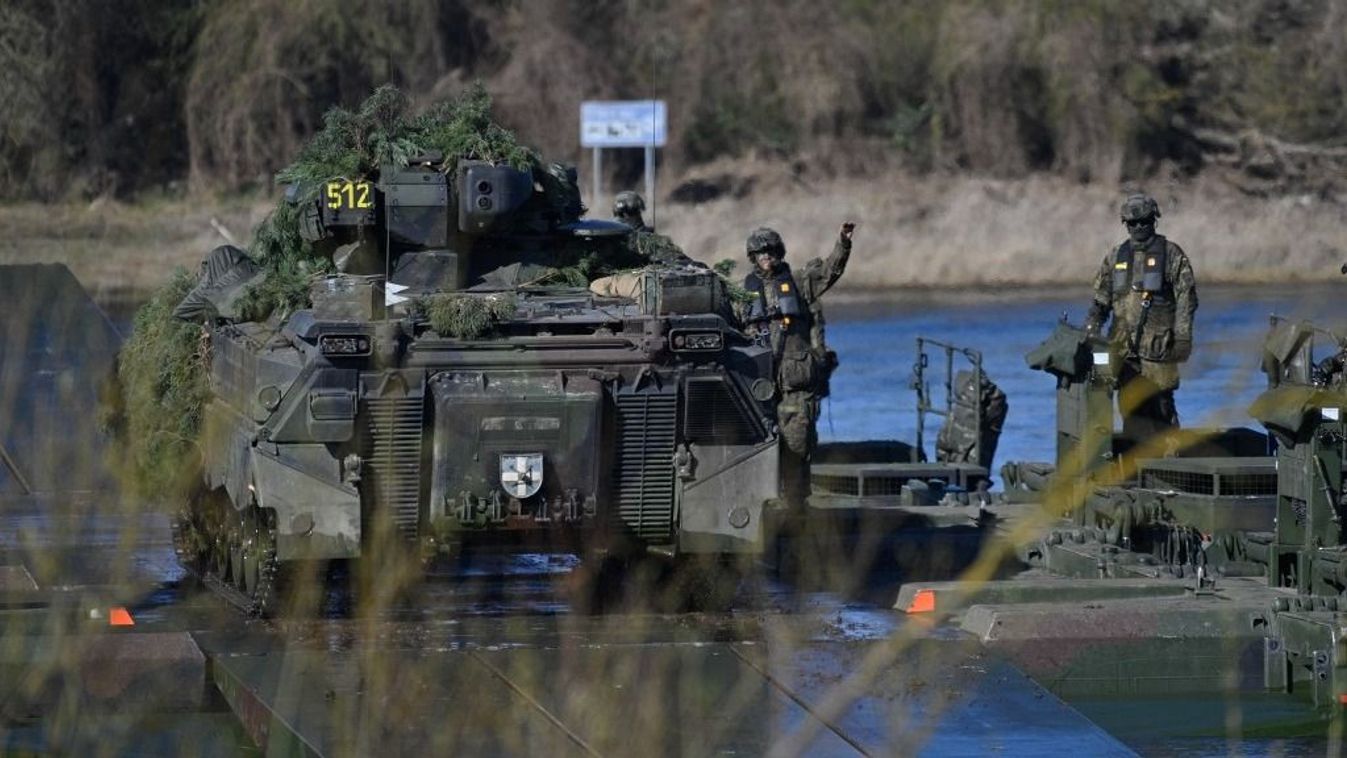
875, 338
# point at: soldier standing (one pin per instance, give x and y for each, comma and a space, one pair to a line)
627, 208
786, 311
1147, 284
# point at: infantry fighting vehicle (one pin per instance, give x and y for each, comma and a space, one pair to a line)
449, 385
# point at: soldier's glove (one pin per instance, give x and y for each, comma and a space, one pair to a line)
1182, 349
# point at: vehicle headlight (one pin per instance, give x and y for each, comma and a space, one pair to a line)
698, 341
344, 344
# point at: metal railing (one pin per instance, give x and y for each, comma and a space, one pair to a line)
923, 387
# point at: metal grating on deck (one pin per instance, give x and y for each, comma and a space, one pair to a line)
393, 459
1249, 484
885, 486
827, 484
643, 481
1192, 482
1219, 477
861, 484
886, 480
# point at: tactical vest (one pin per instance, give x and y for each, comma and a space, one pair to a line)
783, 305
1143, 307
1140, 269
805, 364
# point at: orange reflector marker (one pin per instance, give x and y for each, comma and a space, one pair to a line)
922, 602
120, 617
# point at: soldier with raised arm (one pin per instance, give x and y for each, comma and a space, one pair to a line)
785, 310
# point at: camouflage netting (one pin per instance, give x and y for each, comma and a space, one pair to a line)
290, 264
161, 374
354, 145
580, 265
656, 247
467, 316
578, 262
725, 268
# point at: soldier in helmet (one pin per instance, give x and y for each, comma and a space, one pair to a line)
786, 312
627, 208
1146, 283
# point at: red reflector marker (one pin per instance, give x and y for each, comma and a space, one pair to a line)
120, 617
1342, 699
922, 602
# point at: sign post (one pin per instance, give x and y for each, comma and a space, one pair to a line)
624, 123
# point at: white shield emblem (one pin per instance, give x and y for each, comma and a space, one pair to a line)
521, 474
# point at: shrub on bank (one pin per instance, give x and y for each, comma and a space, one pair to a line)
1090, 89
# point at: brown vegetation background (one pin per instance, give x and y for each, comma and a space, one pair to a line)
974, 140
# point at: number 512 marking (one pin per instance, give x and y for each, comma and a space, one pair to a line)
349, 196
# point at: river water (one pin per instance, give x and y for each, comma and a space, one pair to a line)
875, 338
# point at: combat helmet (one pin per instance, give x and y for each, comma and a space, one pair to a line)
764, 239
628, 203
1139, 207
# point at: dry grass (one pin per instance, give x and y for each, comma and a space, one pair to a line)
961, 232
914, 230
120, 250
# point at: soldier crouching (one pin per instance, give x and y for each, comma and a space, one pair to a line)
785, 311
1146, 283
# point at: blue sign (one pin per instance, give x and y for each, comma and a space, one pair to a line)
623, 123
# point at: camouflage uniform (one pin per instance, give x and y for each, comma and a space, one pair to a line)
803, 360
1149, 289
627, 208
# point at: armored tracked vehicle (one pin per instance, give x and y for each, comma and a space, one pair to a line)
468, 375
